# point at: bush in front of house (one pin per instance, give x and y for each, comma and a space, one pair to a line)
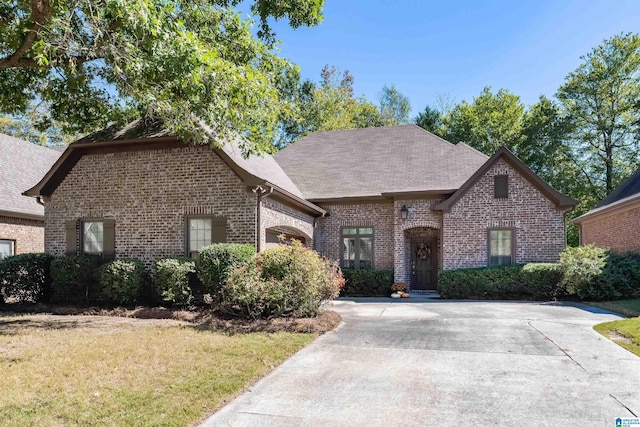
172, 279
215, 263
71, 276
366, 283
286, 281
534, 281
121, 280
26, 277
593, 273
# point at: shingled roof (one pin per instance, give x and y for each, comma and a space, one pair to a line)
22, 164
375, 161
628, 188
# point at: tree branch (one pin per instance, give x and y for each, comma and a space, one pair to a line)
40, 15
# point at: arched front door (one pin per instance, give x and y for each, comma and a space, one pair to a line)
424, 265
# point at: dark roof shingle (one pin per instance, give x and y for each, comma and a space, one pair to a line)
628, 188
372, 161
22, 165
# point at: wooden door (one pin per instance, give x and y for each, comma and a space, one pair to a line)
423, 264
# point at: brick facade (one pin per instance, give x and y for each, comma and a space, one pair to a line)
150, 194
378, 215
278, 217
539, 225
618, 229
28, 234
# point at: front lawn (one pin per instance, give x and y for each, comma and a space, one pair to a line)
624, 332
91, 370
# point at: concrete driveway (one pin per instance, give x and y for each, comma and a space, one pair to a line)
449, 363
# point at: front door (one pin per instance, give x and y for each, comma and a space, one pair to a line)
423, 265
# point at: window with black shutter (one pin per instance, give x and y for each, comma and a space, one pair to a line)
203, 231
501, 186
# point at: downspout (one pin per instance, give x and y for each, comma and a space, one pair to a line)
261, 193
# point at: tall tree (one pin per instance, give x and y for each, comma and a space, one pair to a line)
185, 62
394, 106
490, 121
430, 119
329, 105
602, 96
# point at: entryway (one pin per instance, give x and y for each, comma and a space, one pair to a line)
424, 266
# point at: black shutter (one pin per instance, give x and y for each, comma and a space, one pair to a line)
501, 184
71, 237
109, 236
219, 230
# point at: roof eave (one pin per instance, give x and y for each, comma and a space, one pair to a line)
22, 214
606, 209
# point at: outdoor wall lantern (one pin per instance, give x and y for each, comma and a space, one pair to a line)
404, 212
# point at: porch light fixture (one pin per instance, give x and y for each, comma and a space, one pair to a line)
404, 212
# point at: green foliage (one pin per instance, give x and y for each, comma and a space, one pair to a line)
184, 62
71, 276
430, 119
216, 262
26, 277
172, 277
394, 106
593, 273
531, 281
581, 265
366, 283
121, 280
601, 97
291, 281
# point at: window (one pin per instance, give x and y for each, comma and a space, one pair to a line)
7, 248
203, 231
92, 237
357, 248
501, 186
501, 247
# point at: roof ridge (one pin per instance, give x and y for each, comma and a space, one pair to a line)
432, 134
465, 145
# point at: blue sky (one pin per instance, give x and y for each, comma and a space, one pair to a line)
455, 48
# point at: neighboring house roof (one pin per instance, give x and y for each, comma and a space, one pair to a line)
139, 134
22, 164
562, 201
624, 196
376, 161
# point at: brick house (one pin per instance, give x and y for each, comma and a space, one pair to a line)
615, 221
22, 164
395, 198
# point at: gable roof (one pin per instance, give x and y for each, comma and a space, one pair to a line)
562, 201
140, 134
375, 161
22, 164
624, 196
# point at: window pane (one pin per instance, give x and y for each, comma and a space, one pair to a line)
349, 231
6, 248
366, 245
500, 248
348, 249
199, 233
365, 230
92, 237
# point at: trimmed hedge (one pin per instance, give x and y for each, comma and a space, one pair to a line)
26, 277
366, 283
536, 281
72, 276
172, 279
122, 279
215, 263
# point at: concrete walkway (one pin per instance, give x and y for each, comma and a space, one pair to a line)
446, 363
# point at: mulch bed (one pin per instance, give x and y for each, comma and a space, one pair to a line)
203, 317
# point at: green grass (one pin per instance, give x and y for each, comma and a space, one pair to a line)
627, 307
126, 372
625, 332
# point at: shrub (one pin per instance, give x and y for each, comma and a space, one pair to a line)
284, 281
121, 280
580, 266
71, 276
216, 262
172, 279
367, 283
26, 277
536, 281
